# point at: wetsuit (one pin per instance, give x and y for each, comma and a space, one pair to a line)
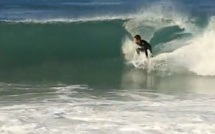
144, 46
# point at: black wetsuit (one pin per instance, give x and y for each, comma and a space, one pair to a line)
144, 46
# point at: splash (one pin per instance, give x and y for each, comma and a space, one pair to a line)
198, 56
177, 53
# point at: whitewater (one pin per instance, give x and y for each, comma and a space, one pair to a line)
193, 53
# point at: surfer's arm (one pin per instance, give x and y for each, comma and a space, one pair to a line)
138, 50
146, 52
149, 48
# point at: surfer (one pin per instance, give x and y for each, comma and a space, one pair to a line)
144, 46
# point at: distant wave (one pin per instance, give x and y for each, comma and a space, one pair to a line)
92, 3
69, 20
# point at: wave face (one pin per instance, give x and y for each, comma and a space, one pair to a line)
68, 52
24, 44
180, 39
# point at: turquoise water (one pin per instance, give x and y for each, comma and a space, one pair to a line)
68, 67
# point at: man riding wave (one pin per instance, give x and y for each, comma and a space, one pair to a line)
144, 46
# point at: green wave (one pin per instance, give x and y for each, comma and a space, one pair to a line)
23, 44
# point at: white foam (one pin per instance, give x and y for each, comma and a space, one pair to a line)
118, 111
198, 56
129, 111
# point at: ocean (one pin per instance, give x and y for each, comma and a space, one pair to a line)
69, 67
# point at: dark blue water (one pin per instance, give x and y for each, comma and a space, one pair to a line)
44, 9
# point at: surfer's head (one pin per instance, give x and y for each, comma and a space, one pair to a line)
137, 39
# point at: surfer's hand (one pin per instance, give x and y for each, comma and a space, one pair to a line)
150, 55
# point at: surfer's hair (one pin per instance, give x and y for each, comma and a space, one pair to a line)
138, 37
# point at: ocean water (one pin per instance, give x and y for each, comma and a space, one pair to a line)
67, 67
